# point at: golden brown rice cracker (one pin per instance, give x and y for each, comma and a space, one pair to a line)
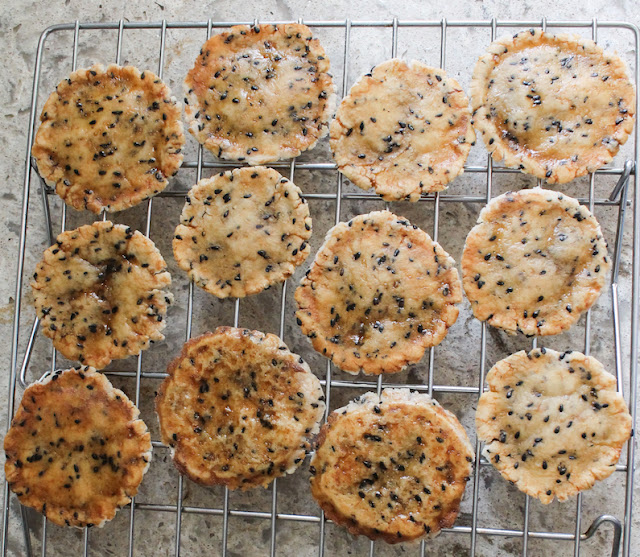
403, 130
391, 467
109, 138
238, 409
76, 450
260, 93
555, 106
534, 262
379, 293
242, 231
552, 422
101, 293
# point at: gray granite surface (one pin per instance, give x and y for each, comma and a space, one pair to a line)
456, 360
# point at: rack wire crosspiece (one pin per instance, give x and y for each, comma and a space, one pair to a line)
618, 199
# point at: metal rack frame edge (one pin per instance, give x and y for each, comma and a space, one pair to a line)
274, 516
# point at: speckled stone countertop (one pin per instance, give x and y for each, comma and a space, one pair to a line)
457, 359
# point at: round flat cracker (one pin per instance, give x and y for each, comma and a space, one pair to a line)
242, 231
100, 293
403, 130
392, 467
552, 422
259, 93
76, 450
555, 106
109, 138
379, 293
238, 409
534, 262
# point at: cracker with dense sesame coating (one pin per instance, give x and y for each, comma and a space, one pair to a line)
76, 450
109, 138
379, 293
260, 93
238, 409
242, 231
101, 293
555, 106
403, 130
391, 467
534, 262
553, 422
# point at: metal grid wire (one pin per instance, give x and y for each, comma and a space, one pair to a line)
618, 199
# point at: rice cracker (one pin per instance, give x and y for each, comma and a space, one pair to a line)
553, 422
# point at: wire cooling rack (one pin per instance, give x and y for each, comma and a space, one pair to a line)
24, 337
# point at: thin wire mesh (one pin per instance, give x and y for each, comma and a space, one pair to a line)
18, 373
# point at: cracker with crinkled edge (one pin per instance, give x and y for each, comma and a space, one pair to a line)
534, 262
242, 231
392, 467
553, 423
238, 409
76, 450
379, 293
555, 106
260, 93
101, 293
109, 138
403, 130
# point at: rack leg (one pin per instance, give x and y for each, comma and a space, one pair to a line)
617, 531
26, 531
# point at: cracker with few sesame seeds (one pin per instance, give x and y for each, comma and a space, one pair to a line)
76, 450
260, 93
242, 231
101, 293
238, 409
109, 138
554, 106
379, 293
403, 130
534, 262
553, 422
392, 467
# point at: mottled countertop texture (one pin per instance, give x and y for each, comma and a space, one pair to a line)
456, 361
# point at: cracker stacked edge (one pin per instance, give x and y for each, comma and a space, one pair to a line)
238, 408
391, 467
76, 450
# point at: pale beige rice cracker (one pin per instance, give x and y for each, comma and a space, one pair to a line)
553, 423
242, 231
403, 130
534, 262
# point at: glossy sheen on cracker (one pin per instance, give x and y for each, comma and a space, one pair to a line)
260, 93
238, 408
555, 106
534, 262
76, 450
109, 138
391, 467
101, 293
